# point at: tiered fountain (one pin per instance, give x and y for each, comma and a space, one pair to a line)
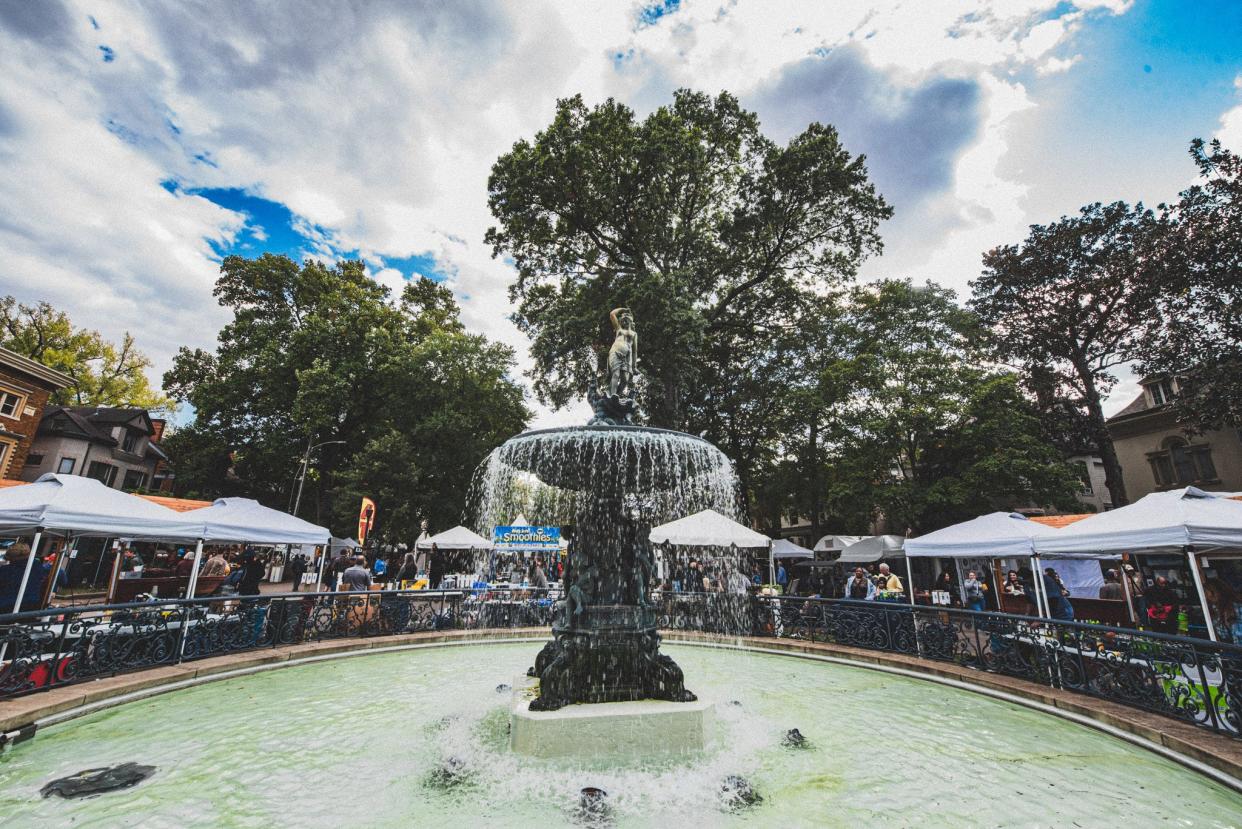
607, 482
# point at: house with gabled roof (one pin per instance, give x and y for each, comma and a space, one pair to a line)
25, 388
115, 445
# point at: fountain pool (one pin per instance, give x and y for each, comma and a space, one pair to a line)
418, 737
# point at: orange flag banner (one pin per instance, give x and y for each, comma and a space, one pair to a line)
366, 518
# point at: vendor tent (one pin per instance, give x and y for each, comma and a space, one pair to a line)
246, 520
458, 538
995, 535
708, 529
1160, 522
784, 548
341, 544
711, 529
873, 549
1182, 520
837, 543
74, 505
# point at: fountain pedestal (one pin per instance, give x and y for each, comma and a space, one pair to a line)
637, 730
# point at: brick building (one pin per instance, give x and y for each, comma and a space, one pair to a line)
25, 387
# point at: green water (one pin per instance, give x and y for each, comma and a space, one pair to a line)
355, 742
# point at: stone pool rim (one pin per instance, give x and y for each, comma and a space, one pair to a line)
1214, 756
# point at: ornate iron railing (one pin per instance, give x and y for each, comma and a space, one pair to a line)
1191, 680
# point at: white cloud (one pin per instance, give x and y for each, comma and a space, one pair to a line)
1230, 130
379, 123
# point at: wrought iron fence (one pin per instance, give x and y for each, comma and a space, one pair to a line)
1192, 680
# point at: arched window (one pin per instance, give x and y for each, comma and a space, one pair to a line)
1180, 463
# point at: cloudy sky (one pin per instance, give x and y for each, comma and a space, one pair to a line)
140, 142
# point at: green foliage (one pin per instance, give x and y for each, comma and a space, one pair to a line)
1069, 305
1196, 331
922, 434
104, 374
316, 354
723, 243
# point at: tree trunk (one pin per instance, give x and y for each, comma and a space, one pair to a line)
817, 483
1103, 440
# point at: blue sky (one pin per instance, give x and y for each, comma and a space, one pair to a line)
142, 143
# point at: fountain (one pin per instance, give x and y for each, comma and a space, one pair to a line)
607, 483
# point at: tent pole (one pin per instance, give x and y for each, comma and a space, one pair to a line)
1037, 581
1198, 577
49, 589
1000, 608
1125, 586
30, 560
910, 580
327, 551
116, 572
198, 560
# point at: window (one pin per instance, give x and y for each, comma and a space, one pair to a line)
4, 455
65, 467
134, 479
103, 472
130, 440
33, 459
11, 404
1181, 464
1161, 392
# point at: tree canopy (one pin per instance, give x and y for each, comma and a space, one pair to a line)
723, 243
316, 354
1196, 330
104, 373
1069, 305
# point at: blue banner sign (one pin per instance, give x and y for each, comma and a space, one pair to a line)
527, 538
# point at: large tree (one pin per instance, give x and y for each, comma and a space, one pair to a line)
104, 373
404, 401
1070, 304
721, 241
1196, 332
921, 433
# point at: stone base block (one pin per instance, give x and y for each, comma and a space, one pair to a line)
645, 729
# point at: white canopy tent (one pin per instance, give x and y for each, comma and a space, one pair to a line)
837, 543
1181, 520
709, 528
458, 538
873, 548
78, 506
995, 535
784, 548
246, 520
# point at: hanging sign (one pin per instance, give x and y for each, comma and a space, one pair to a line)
366, 519
527, 538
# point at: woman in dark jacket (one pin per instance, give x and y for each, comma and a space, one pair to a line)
252, 574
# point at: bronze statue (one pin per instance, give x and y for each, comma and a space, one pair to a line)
623, 356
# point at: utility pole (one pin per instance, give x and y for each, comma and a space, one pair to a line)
305, 464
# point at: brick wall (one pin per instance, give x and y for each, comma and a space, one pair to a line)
37, 393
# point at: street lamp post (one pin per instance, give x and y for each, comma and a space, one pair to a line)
305, 462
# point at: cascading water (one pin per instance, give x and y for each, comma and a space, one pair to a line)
606, 486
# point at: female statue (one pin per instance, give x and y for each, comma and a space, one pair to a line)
623, 356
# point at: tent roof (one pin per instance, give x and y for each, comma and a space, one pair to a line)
244, 519
836, 543
784, 548
873, 549
1159, 522
995, 535
708, 529
84, 506
458, 538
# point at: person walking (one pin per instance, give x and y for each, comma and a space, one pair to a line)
408, 570
251, 574
297, 569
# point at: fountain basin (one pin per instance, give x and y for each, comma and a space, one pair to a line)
624, 732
